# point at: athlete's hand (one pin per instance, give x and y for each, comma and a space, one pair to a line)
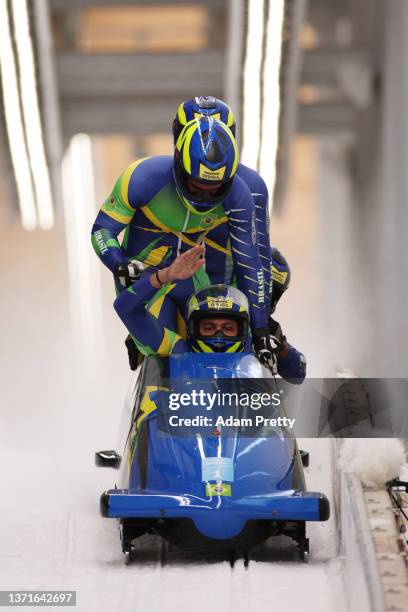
183, 266
264, 350
276, 337
128, 273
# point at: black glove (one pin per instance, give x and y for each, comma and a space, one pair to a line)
135, 357
263, 348
276, 337
129, 272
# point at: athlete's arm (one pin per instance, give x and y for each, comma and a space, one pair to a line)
259, 192
292, 365
135, 187
240, 210
151, 337
261, 202
148, 332
114, 216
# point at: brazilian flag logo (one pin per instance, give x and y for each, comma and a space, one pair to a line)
207, 220
219, 488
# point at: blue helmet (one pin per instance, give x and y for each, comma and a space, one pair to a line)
205, 161
217, 301
202, 106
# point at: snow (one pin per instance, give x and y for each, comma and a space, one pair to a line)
375, 461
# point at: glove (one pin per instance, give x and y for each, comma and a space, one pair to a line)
134, 355
263, 348
129, 272
276, 337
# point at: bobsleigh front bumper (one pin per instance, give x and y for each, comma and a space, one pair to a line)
231, 512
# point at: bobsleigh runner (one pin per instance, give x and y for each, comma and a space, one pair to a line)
198, 483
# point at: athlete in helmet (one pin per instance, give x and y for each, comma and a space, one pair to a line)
171, 302
217, 240
219, 264
167, 205
217, 318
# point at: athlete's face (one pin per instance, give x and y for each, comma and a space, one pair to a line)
197, 187
210, 327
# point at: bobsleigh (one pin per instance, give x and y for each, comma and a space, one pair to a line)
207, 486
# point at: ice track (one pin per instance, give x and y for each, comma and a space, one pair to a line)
57, 408
53, 538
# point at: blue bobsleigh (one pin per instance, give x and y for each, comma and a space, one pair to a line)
203, 466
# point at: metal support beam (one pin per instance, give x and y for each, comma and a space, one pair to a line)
145, 74
67, 5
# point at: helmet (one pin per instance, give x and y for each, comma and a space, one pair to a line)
205, 152
217, 301
202, 106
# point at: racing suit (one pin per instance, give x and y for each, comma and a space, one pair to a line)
220, 249
219, 261
158, 227
218, 246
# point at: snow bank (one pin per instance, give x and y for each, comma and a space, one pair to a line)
369, 463
374, 461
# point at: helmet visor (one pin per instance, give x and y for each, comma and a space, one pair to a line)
218, 302
202, 194
201, 328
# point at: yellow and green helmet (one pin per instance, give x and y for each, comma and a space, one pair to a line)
205, 162
218, 301
202, 106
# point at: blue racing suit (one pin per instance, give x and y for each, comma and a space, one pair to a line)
219, 248
158, 227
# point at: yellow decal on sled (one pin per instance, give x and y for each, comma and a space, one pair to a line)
147, 406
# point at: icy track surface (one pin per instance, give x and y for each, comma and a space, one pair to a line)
52, 536
61, 401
